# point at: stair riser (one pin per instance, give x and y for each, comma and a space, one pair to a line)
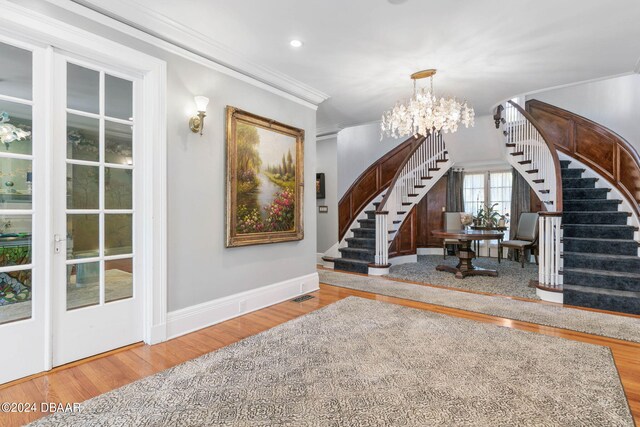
579, 183
359, 255
584, 193
614, 218
601, 247
366, 233
591, 205
600, 281
371, 215
602, 302
367, 223
345, 265
615, 264
564, 164
598, 232
362, 243
571, 173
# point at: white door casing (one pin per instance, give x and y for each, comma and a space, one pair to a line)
43, 32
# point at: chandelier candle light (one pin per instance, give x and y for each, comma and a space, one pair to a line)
425, 113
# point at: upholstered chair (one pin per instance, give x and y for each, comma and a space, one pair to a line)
526, 237
452, 222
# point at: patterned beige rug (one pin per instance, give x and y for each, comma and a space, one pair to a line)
366, 363
603, 324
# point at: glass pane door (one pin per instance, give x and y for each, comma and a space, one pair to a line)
21, 288
98, 132
99, 195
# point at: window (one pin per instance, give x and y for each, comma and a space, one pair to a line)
474, 195
498, 184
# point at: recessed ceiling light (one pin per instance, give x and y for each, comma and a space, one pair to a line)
295, 43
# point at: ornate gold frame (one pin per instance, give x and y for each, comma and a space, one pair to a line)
235, 115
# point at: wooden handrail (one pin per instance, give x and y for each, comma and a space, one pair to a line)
382, 206
598, 147
552, 149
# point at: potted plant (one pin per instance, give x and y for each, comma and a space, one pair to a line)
487, 216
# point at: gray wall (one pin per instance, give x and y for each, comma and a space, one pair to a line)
200, 268
358, 148
327, 163
613, 103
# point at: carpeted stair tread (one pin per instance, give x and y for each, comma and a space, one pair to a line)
358, 254
603, 246
361, 242
608, 262
604, 272
585, 193
579, 182
608, 240
600, 291
353, 265
571, 173
602, 299
564, 164
595, 217
603, 205
599, 231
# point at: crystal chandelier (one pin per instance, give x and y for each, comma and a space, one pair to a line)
425, 113
10, 133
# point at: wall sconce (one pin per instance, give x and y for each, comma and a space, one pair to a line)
196, 123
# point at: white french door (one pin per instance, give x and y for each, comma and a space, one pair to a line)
97, 300
23, 135
82, 194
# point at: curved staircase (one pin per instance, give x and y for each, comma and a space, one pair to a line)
367, 249
601, 264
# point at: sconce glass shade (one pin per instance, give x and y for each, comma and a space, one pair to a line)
201, 103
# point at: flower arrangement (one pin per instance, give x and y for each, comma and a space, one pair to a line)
10, 133
466, 218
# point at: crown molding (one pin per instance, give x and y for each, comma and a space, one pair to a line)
162, 32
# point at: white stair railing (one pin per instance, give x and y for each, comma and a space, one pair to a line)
422, 168
532, 154
549, 259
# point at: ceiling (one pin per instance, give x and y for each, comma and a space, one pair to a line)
361, 52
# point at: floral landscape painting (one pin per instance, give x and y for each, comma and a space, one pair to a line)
264, 185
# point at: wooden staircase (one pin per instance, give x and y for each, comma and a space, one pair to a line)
366, 250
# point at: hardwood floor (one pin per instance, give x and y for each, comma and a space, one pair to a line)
88, 378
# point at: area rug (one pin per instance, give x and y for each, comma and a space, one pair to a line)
512, 280
367, 363
607, 325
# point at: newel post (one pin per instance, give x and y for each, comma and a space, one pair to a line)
549, 250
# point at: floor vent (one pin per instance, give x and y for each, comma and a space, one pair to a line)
302, 298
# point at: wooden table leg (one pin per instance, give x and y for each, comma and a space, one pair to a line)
465, 267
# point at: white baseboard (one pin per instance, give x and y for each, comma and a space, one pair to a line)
373, 271
405, 259
557, 297
429, 251
200, 316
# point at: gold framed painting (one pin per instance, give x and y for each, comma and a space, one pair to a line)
265, 180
